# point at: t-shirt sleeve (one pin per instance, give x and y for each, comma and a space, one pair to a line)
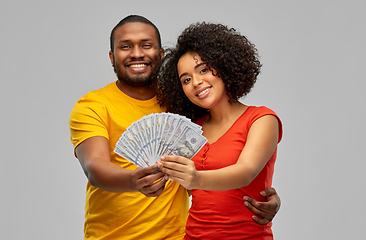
87, 119
262, 111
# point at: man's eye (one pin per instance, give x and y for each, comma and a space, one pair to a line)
146, 46
125, 47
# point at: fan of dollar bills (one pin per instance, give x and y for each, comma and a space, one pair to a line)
155, 135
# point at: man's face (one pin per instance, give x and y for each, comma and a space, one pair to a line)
136, 53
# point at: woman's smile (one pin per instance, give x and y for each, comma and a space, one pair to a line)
202, 93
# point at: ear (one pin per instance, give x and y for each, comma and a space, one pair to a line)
162, 53
111, 58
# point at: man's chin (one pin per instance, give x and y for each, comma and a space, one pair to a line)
136, 81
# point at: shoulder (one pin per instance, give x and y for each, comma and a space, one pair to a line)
101, 94
96, 98
260, 110
93, 104
254, 113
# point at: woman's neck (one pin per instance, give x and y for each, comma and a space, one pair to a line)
227, 113
219, 121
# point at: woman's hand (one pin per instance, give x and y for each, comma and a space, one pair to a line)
181, 170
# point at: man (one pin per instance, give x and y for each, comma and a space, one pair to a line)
123, 201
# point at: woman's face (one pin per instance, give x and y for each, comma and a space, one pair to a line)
199, 83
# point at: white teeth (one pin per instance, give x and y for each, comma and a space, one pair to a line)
137, 65
203, 92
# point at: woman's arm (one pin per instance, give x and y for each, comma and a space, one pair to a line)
260, 145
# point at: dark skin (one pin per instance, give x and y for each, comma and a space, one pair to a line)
264, 211
94, 153
94, 157
134, 44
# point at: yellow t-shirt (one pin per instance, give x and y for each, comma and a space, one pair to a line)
108, 112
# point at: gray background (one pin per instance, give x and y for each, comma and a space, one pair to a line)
313, 55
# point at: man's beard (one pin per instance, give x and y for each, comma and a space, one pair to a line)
137, 81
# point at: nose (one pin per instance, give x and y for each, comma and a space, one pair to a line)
137, 52
196, 81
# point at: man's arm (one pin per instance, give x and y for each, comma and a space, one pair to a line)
95, 159
264, 211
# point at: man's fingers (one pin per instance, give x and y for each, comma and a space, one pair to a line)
274, 201
141, 172
251, 204
155, 189
261, 205
250, 200
255, 204
153, 194
265, 217
266, 205
146, 179
149, 179
264, 211
248, 203
268, 192
261, 221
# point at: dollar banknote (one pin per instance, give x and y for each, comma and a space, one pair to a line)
155, 135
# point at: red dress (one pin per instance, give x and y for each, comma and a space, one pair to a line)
222, 214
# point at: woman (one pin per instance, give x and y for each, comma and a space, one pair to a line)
203, 78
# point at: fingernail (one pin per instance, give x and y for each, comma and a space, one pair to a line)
159, 165
246, 198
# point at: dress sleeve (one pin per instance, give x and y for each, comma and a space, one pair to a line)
262, 111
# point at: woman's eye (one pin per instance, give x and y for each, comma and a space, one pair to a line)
204, 70
187, 80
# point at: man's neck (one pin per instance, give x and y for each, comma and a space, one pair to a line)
139, 93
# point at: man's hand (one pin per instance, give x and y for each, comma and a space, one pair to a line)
149, 181
265, 210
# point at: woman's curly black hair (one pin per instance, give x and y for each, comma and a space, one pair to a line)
231, 54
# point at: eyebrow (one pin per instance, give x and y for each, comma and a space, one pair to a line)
142, 40
195, 67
